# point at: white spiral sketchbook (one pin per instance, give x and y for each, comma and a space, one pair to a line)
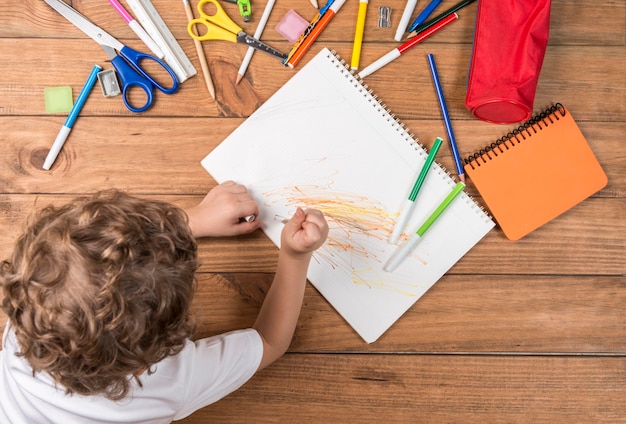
324, 141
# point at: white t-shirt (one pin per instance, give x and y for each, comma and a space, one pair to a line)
202, 373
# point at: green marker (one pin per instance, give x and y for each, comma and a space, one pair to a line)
410, 202
401, 253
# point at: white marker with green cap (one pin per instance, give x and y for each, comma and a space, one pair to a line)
401, 253
410, 202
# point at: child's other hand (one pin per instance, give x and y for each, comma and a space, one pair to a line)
304, 232
221, 211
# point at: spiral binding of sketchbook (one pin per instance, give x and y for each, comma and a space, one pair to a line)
359, 84
536, 172
324, 140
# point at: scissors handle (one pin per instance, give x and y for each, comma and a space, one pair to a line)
130, 78
135, 59
218, 25
212, 32
220, 17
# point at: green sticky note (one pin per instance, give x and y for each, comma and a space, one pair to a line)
58, 99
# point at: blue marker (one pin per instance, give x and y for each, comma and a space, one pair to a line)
69, 122
424, 14
325, 8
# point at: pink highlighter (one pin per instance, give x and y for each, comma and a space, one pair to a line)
134, 25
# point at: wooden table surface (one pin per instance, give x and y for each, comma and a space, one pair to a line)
527, 331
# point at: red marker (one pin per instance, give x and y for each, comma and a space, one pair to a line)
397, 52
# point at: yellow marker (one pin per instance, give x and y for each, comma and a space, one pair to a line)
358, 34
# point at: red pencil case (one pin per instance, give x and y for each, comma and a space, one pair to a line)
510, 41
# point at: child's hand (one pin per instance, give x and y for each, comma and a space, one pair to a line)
304, 232
221, 211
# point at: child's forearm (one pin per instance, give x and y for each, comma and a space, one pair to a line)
279, 314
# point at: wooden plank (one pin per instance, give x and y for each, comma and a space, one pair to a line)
154, 155
461, 313
591, 235
603, 83
587, 239
416, 388
593, 88
568, 25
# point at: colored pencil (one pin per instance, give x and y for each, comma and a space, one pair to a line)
257, 35
414, 31
424, 14
201, 56
446, 117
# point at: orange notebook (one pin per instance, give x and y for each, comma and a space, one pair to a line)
536, 172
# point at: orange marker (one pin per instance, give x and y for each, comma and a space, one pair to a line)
315, 32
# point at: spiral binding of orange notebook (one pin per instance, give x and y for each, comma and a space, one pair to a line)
536, 172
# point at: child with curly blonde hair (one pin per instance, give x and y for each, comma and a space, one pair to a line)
98, 294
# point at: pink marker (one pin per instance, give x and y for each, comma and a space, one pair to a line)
134, 25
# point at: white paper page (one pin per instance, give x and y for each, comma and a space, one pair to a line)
322, 142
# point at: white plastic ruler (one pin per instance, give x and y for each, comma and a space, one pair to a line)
152, 22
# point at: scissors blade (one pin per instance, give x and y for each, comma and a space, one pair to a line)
99, 35
242, 37
110, 51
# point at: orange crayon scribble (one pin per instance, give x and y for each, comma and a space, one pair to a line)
357, 226
348, 215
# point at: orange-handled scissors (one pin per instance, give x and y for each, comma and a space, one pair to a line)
219, 26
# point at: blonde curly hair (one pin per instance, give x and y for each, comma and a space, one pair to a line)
99, 290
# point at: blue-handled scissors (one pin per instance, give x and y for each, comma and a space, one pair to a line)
126, 61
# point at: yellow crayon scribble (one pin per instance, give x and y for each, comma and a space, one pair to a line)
375, 280
357, 226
